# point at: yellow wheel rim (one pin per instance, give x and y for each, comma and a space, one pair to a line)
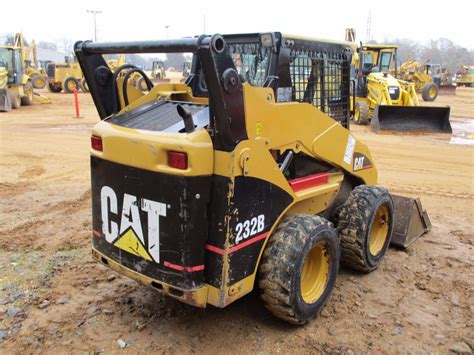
315, 273
71, 85
432, 92
39, 82
379, 231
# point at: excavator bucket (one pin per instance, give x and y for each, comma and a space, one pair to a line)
447, 90
409, 118
5, 101
411, 221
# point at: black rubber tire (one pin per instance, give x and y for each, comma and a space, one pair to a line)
54, 87
282, 265
355, 221
363, 110
426, 92
84, 86
15, 100
39, 82
141, 85
28, 98
67, 81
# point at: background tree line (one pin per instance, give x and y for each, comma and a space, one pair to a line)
439, 51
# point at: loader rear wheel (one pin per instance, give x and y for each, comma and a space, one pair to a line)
69, 85
29, 95
430, 92
141, 84
361, 113
299, 268
38, 81
84, 86
365, 225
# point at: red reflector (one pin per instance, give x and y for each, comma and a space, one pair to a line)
96, 143
178, 160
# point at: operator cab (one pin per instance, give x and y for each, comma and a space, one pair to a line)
374, 58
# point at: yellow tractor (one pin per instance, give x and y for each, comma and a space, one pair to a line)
419, 74
65, 77
200, 189
387, 102
465, 76
16, 87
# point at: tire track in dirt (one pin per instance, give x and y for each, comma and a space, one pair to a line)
58, 225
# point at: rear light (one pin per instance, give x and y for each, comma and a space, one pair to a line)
178, 160
96, 143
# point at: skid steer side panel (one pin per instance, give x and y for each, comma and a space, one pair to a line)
246, 219
411, 221
149, 222
415, 118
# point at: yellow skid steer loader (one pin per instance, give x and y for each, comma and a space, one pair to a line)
240, 173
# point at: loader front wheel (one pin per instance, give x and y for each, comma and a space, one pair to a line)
15, 100
29, 95
361, 113
365, 225
69, 85
430, 92
299, 268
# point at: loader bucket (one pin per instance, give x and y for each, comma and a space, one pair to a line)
447, 90
5, 101
411, 221
406, 118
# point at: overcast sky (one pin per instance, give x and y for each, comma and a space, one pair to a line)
419, 20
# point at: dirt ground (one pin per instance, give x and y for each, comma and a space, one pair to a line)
54, 298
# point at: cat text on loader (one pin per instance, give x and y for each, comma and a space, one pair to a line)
198, 188
387, 102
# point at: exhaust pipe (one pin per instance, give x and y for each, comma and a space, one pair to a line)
409, 118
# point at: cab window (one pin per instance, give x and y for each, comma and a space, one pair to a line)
385, 61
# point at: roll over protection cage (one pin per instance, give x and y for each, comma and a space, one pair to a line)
330, 88
226, 111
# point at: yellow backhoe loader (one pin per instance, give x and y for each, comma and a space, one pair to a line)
241, 177
16, 87
387, 102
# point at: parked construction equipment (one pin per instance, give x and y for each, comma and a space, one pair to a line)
158, 73
429, 79
16, 87
465, 76
65, 76
244, 170
387, 102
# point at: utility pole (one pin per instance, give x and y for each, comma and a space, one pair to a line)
368, 33
167, 31
204, 24
94, 12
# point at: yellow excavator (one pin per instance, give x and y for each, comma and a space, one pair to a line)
384, 101
465, 76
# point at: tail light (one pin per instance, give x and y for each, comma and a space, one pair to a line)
178, 160
96, 143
